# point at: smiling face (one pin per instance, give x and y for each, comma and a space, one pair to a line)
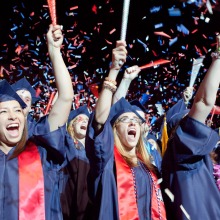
128, 129
12, 123
80, 124
25, 95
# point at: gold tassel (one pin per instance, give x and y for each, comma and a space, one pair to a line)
164, 137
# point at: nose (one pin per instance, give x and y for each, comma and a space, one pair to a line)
12, 116
132, 121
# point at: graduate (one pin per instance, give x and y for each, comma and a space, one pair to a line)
189, 187
122, 182
30, 176
152, 147
28, 94
75, 200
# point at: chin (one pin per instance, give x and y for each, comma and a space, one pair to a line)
131, 146
13, 141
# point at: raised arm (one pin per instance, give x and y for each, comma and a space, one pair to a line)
129, 74
105, 99
61, 108
206, 95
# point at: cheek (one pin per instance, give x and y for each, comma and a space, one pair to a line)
28, 103
22, 119
121, 131
74, 127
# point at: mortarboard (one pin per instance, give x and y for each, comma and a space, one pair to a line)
81, 110
138, 107
120, 107
137, 103
7, 93
24, 84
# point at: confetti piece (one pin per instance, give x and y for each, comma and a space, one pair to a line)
162, 34
174, 12
155, 63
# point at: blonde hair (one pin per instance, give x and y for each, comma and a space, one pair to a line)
141, 152
72, 133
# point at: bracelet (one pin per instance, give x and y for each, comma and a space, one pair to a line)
111, 80
110, 86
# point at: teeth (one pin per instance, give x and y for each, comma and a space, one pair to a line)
12, 126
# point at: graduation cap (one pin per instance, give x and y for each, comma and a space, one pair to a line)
136, 103
24, 84
81, 110
120, 107
138, 106
8, 94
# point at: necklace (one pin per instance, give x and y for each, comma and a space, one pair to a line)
134, 181
157, 191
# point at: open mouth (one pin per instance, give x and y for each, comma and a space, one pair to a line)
132, 133
83, 127
13, 129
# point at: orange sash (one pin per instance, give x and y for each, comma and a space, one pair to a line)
31, 184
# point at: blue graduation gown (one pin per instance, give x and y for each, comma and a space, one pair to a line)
187, 172
102, 185
52, 152
31, 123
74, 199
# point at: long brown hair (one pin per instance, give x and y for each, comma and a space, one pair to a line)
141, 152
22, 143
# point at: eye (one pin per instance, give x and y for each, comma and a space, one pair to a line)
28, 100
124, 119
18, 110
137, 120
3, 111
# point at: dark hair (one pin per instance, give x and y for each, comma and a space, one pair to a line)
21, 144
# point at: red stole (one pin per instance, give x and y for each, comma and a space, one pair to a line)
31, 184
126, 193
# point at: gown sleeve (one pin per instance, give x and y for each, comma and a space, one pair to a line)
101, 177
53, 142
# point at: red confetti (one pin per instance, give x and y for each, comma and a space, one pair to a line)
155, 63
